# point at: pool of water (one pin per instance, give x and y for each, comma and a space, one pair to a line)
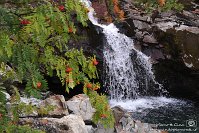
173, 115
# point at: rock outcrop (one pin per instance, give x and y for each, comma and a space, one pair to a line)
126, 124
67, 124
80, 105
74, 119
171, 39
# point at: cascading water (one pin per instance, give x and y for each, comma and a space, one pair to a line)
128, 73
131, 83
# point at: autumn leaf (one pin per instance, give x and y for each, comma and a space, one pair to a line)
161, 2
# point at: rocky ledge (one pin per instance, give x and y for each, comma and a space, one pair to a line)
75, 116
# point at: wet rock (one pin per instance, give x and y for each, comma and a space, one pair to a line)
126, 28
80, 105
118, 113
154, 53
183, 44
128, 125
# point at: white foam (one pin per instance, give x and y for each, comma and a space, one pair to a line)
140, 104
123, 79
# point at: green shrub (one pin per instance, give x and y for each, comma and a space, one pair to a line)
103, 114
161, 5
34, 43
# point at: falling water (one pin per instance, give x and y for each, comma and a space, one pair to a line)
128, 72
131, 83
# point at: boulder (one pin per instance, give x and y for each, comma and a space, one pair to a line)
101, 129
118, 113
58, 104
54, 106
141, 25
126, 124
149, 39
80, 105
67, 124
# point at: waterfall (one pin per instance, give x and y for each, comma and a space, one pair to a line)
128, 72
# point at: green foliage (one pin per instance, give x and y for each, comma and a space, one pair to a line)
161, 5
172, 4
33, 41
21, 129
103, 114
83, 69
10, 116
38, 46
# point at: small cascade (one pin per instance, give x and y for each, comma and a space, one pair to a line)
128, 72
131, 84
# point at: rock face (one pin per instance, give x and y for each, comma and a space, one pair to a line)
80, 105
182, 27
171, 39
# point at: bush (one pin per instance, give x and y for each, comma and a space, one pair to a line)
161, 5
34, 43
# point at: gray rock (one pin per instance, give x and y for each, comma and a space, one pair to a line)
141, 25
58, 103
90, 129
149, 39
155, 131
28, 101
139, 35
101, 129
74, 122
67, 124
80, 105
164, 26
118, 113
7, 95
128, 124
32, 101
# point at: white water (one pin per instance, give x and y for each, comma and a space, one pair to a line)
128, 77
140, 104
